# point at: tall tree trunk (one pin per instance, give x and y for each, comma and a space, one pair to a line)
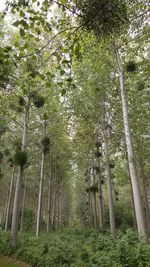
94, 200
91, 221
54, 200
39, 208
131, 159
40, 196
101, 219
49, 201
15, 218
145, 192
16, 207
109, 181
9, 199
134, 215
4, 212
60, 208
23, 206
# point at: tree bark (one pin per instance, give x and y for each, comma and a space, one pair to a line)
145, 192
16, 207
23, 206
131, 158
49, 201
9, 199
94, 201
101, 219
54, 200
109, 181
40, 196
15, 218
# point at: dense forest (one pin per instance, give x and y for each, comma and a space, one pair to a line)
75, 132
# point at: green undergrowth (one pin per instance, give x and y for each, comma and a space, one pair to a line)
78, 248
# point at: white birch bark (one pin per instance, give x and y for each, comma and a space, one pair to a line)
131, 159
108, 175
9, 199
49, 201
40, 196
101, 219
16, 207
23, 206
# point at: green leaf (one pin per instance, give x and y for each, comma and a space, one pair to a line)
48, 84
63, 92
22, 13
69, 80
22, 32
62, 72
16, 23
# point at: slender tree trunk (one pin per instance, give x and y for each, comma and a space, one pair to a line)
109, 181
49, 202
54, 201
23, 206
145, 192
55, 206
4, 213
91, 221
101, 219
134, 215
16, 207
15, 218
131, 158
58, 211
94, 201
40, 197
9, 199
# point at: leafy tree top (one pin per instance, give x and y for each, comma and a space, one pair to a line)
102, 17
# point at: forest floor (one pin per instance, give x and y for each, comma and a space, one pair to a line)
77, 248
11, 262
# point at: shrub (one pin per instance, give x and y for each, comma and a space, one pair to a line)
79, 248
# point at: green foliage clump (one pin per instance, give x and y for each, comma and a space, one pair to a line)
93, 188
98, 154
131, 66
101, 16
112, 165
79, 248
38, 100
45, 143
21, 101
20, 158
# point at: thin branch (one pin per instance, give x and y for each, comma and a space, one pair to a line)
69, 9
11, 118
50, 41
76, 29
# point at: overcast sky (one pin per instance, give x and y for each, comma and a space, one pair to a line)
2, 4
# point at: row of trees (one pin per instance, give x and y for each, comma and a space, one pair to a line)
63, 94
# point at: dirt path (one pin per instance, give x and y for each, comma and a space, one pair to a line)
10, 262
